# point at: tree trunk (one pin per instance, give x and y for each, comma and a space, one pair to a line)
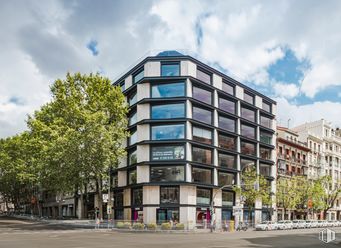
100, 198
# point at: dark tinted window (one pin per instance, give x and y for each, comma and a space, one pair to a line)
170, 69
132, 157
201, 175
165, 132
226, 160
137, 77
265, 169
203, 196
168, 111
227, 198
168, 90
248, 131
132, 176
248, 114
265, 121
265, 153
225, 178
266, 137
168, 152
204, 76
246, 163
247, 148
228, 88
202, 115
169, 195
227, 142
118, 196
201, 155
202, 95
249, 98
137, 196
227, 123
202, 135
227, 105
266, 106
167, 174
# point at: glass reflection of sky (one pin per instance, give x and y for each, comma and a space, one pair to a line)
168, 90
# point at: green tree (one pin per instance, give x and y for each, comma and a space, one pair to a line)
253, 187
81, 133
19, 174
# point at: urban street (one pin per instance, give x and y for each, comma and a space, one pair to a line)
15, 233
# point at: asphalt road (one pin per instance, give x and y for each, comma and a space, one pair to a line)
26, 234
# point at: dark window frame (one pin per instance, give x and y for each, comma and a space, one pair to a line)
249, 94
204, 108
230, 84
203, 148
164, 104
166, 166
204, 128
137, 72
167, 124
206, 72
194, 85
170, 186
184, 82
165, 145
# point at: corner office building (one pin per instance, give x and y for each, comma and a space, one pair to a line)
193, 130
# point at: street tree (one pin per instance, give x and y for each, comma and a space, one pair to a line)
253, 187
81, 133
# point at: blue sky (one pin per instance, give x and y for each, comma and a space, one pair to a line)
288, 50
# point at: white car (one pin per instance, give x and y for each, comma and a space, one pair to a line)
299, 224
266, 225
314, 224
284, 224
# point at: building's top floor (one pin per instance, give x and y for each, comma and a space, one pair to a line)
171, 64
290, 138
320, 128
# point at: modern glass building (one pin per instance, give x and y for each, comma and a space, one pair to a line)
193, 129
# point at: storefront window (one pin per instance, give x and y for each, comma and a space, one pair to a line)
202, 115
202, 135
167, 173
166, 214
168, 132
201, 175
168, 111
168, 152
227, 124
227, 105
202, 95
169, 195
226, 160
168, 90
227, 142
201, 155
203, 196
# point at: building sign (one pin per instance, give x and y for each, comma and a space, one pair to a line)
168, 152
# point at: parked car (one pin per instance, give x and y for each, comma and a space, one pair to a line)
299, 224
266, 225
314, 224
331, 223
284, 224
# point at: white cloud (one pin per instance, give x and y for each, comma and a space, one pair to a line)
306, 113
286, 90
40, 41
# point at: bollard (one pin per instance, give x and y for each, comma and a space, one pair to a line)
231, 226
